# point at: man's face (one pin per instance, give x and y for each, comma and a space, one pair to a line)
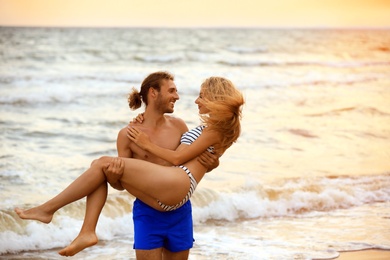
167, 97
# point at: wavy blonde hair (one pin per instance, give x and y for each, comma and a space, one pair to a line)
224, 102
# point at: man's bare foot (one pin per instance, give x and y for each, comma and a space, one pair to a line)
34, 214
81, 242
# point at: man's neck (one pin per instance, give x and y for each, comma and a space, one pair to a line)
153, 118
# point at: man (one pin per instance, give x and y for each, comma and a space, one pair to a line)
157, 235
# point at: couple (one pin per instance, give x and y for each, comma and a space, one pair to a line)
163, 188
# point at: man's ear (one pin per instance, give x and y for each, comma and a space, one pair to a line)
153, 92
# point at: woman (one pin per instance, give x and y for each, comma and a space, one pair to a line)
161, 187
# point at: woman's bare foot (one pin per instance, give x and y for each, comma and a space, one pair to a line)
81, 242
34, 214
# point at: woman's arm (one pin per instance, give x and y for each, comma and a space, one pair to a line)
182, 154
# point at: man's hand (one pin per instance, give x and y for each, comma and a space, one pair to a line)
114, 172
208, 160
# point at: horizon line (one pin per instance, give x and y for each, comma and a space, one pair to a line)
201, 27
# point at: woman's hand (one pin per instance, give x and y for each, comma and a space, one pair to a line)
138, 119
138, 137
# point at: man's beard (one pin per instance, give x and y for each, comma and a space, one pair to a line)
163, 107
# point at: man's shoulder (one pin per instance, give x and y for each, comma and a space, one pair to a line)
177, 122
122, 134
123, 130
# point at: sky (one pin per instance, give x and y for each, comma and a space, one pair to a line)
196, 13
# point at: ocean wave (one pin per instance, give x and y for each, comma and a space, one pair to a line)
286, 198
22, 235
39, 96
68, 78
382, 48
12, 176
38, 236
302, 132
246, 50
62, 94
372, 111
159, 58
290, 198
331, 64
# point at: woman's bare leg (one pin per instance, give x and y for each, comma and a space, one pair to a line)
154, 180
167, 184
87, 236
84, 185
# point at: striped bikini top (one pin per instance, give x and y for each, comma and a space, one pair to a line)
190, 137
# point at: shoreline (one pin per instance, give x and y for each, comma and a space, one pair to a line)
365, 254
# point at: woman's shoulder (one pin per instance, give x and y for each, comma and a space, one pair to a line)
205, 132
211, 134
209, 130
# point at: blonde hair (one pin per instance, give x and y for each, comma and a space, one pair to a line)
224, 101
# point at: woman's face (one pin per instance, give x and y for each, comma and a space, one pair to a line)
200, 102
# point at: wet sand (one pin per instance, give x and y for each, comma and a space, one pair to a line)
365, 255
371, 254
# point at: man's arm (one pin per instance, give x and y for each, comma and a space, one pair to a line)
209, 160
115, 170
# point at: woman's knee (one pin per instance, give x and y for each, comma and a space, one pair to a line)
101, 161
94, 162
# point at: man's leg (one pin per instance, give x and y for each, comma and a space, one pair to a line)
179, 238
168, 255
153, 254
162, 230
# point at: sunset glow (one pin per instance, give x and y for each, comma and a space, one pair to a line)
196, 13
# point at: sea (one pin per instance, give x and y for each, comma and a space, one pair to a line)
308, 178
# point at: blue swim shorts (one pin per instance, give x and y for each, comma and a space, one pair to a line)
153, 229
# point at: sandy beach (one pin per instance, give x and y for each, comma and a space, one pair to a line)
365, 255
